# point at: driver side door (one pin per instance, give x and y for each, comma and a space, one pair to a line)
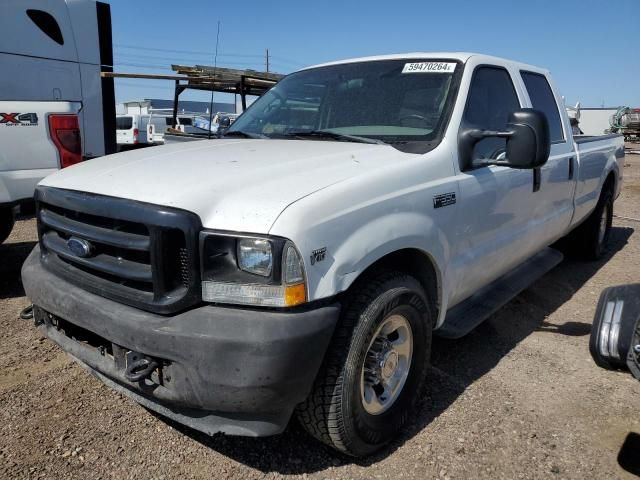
495, 201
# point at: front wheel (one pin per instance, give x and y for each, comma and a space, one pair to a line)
7, 220
374, 368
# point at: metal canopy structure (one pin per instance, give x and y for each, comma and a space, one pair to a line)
221, 79
209, 78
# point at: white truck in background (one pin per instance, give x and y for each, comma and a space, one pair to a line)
301, 264
55, 109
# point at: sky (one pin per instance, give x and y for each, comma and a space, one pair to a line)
590, 46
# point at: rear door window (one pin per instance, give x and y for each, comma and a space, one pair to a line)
39, 29
492, 98
47, 23
542, 99
124, 123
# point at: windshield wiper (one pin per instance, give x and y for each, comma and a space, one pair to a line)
238, 133
324, 134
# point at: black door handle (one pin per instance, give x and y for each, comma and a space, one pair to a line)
570, 168
537, 179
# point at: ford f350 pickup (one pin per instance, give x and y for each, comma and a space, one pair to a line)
302, 263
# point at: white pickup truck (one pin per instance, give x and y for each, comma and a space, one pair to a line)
55, 110
302, 263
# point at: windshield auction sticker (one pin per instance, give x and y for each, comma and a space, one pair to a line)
429, 67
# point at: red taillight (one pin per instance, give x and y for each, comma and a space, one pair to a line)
135, 135
65, 134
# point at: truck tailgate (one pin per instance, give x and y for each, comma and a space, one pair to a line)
24, 134
27, 154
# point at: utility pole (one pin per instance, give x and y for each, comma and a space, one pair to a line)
267, 60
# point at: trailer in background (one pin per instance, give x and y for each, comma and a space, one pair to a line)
595, 121
626, 121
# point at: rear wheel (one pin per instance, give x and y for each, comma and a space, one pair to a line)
7, 219
374, 368
593, 235
590, 240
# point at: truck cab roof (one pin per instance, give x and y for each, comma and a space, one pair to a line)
460, 56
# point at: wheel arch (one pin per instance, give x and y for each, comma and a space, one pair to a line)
610, 181
412, 261
612, 174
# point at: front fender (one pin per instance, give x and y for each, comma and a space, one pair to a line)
347, 258
383, 236
358, 222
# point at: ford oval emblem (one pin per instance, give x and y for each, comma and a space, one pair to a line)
79, 247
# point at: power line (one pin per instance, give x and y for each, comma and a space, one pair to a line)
292, 62
182, 57
168, 66
176, 60
137, 85
195, 52
207, 54
143, 65
156, 57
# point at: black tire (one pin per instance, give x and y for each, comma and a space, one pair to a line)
7, 220
585, 241
588, 239
334, 412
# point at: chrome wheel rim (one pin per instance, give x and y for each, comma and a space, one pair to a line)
604, 219
386, 364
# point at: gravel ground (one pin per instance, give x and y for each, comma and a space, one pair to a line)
517, 398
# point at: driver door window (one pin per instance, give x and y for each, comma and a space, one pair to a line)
492, 97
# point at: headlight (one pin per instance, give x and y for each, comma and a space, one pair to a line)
254, 256
251, 270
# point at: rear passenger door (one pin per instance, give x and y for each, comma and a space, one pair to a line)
556, 179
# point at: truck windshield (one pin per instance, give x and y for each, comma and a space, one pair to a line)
399, 102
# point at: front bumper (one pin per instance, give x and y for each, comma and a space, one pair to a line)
233, 370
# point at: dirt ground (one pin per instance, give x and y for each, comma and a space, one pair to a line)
517, 398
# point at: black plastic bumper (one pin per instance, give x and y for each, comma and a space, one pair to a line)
233, 370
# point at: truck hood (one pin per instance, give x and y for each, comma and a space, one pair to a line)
239, 185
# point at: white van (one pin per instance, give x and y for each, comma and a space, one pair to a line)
154, 127
55, 109
127, 129
141, 130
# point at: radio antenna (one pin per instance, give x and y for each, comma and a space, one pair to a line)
215, 66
